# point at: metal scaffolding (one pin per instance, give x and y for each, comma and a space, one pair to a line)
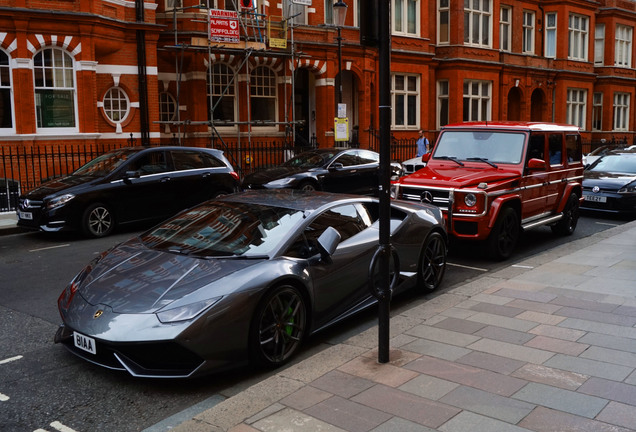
253, 42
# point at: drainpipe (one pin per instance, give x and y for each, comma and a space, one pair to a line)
142, 77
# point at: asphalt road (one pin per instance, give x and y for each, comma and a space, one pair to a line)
45, 388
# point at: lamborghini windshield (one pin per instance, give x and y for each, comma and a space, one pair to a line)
217, 229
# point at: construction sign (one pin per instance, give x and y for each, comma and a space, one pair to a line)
277, 32
224, 26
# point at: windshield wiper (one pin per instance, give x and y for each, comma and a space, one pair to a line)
450, 158
483, 160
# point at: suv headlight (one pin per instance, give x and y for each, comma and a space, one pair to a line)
470, 199
59, 201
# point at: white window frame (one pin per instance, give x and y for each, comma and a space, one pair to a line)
621, 111
171, 5
505, 28
597, 111
578, 33
406, 94
269, 91
167, 107
227, 89
443, 15
403, 18
63, 80
576, 107
290, 9
529, 19
551, 34
6, 85
443, 102
599, 45
116, 105
623, 50
477, 100
480, 17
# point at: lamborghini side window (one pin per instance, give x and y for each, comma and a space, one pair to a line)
348, 220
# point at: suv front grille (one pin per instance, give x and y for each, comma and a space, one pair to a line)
440, 197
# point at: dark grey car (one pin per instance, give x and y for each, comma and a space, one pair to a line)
244, 277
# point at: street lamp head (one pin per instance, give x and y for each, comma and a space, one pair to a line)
340, 13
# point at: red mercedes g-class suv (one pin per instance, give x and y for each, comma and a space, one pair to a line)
494, 179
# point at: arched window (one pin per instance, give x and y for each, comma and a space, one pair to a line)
55, 93
116, 104
263, 94
6, 117
167, 107
221, 94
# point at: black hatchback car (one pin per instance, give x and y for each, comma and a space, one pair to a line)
128, 185
609, 184
325, 169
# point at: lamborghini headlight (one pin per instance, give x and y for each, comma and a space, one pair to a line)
187, 312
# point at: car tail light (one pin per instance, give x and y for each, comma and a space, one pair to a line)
235, 175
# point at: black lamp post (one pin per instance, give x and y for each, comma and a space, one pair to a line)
340, 13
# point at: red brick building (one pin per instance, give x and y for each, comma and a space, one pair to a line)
97, 71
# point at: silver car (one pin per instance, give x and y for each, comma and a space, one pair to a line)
246, 277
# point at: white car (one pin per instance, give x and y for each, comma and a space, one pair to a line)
412, 165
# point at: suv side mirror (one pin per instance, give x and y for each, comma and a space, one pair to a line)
426, 157
536, 164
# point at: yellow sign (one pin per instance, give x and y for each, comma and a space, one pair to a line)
277, 32
341, 128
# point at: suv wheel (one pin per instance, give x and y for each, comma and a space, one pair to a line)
567, 225
504, 235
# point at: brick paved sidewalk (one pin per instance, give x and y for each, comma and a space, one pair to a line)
548, 344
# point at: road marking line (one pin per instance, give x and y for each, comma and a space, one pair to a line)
606, 223
467, 267
59, 426
40, 430
10, 359
522, 266
3, 397
50, 247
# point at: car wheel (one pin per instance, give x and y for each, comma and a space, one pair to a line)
98, 221
278, 327
567, 225
504, 235
432, 262
307, 186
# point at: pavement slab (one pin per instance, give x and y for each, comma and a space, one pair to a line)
407, 405
562, 400
548, 420
554, 377
488, 404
